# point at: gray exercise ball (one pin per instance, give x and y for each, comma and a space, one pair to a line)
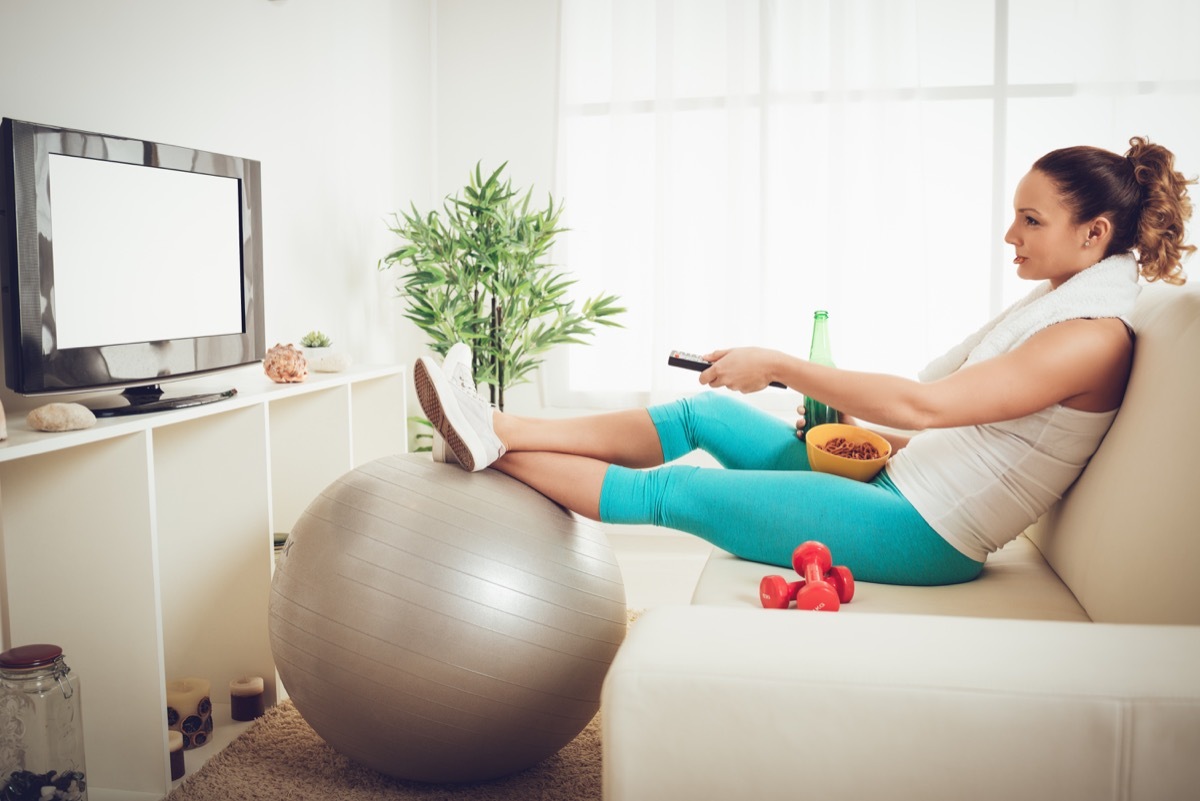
444, 626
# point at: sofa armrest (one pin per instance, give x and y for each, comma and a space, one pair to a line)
720, 703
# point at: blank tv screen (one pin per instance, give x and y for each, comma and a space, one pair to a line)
143, 254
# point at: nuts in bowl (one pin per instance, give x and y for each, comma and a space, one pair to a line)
846, 450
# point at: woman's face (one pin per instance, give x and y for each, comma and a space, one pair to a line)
1049, 244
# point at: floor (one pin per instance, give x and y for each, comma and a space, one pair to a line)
659, 566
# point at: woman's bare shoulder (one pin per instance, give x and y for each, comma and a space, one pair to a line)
1097, 353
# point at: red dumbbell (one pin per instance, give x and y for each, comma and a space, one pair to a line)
812, 560
776, 592
843, 581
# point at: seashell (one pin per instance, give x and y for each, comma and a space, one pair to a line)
284, 364
60, 417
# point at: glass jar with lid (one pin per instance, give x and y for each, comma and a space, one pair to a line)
41, 726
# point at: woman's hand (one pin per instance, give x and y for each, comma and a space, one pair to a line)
800, 420
742, 369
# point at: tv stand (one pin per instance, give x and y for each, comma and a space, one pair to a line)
143, 546
151, 398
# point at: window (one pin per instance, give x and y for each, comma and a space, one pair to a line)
730, 166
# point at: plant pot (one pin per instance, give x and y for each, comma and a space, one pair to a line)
326, 360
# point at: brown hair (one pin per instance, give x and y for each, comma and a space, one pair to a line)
1140, 193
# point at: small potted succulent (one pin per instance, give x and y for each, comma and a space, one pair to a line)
322, 358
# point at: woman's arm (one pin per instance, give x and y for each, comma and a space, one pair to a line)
1082, 363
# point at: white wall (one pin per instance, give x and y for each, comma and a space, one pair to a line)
324, 94
497, 84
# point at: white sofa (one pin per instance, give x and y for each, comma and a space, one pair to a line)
1069, 670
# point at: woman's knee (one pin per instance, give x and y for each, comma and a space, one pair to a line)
720, 404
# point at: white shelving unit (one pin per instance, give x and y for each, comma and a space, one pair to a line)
143, 545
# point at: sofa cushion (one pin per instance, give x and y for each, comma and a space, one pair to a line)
1016, 583
1126, 536
710, 702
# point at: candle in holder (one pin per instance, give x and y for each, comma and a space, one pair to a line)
189, 710
246, 698
175, 741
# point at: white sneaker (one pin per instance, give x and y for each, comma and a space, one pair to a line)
461, 416
456, 367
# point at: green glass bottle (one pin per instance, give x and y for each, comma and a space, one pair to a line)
815, 412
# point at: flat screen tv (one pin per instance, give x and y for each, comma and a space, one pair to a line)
126, 264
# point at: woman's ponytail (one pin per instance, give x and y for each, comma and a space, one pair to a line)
1165, 208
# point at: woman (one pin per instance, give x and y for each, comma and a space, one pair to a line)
1007, 420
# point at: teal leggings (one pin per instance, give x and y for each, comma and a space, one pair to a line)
765, 500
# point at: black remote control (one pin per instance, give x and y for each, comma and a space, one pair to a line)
690, 361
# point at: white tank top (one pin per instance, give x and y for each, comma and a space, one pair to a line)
981, 486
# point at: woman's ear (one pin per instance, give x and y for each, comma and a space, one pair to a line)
1099, 231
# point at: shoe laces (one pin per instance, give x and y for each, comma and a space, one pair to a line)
462, 381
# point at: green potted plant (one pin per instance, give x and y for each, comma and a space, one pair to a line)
476, 273
319, 352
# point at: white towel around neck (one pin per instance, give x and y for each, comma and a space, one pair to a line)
1108, 288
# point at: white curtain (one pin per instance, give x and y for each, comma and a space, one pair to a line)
730, 166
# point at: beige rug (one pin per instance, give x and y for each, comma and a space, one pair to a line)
281, 757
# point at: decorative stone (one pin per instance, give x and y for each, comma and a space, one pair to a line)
285, 364
326, 360
60, 417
